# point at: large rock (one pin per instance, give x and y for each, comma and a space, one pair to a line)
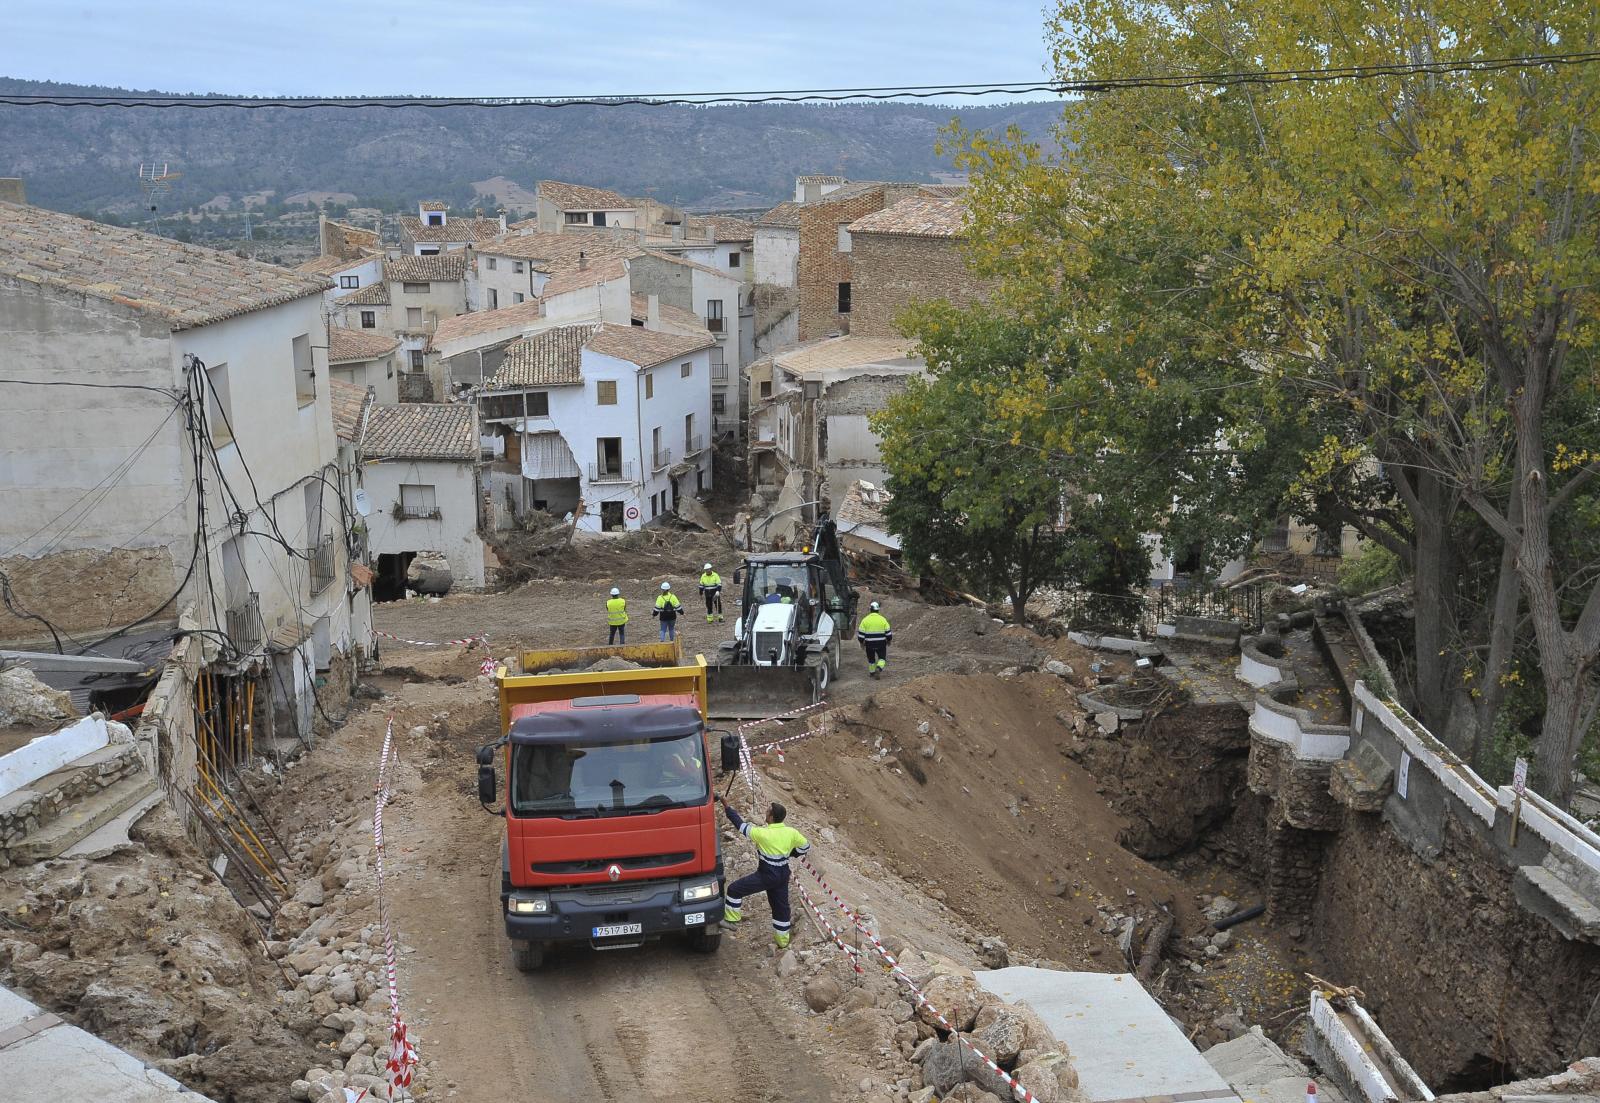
971, 1093
309, 893
958, 997
944, 1066
1036, 1035
429, 573
822, 992
1003, 1038
994, 953
1049, 1078
24, 699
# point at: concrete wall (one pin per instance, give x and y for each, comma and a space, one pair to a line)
377, 374
366, 272
893, 271
503, 279
454, 534
777, 256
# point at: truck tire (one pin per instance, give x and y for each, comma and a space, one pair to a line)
706, 941
528, 957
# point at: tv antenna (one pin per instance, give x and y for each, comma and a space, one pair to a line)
155, 180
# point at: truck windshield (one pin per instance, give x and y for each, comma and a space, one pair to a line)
608, 779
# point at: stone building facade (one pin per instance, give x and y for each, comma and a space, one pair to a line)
908, 253
826, 271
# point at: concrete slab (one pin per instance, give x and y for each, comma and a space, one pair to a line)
45, 1058
84, 817
1123, 1045
112, 836
1259, 1070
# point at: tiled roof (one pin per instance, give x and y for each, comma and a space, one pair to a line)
675, 318
358, 344
786, 215
433, 205
646, 347
844, 353
438, 268
945, 191
351, 241
863, 504
421, 431
552, 358
487, 321
581, 197
848, 191
575, 278
184, 285
814, 179
918, 216
349, 403
374, 294
551, 250
727, 227
332, 266
454, 229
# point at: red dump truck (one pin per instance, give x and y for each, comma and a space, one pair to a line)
611, 823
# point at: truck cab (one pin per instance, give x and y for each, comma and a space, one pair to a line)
611, 833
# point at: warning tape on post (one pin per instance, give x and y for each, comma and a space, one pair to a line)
467, 641
402, 1053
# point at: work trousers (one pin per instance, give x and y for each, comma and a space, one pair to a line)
618, 634
669, 629
775, 884
877, 653
713, 601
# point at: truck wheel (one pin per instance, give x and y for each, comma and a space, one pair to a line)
528, 957
706, 942
824, 676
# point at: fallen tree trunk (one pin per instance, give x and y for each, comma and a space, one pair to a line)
1155, 942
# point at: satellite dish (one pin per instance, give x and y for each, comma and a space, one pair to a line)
363, 503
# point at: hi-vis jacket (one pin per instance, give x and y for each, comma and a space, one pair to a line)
710, 582
874, 628
775, 842
616, 611
667, 606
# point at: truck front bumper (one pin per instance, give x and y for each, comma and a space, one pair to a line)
605, 915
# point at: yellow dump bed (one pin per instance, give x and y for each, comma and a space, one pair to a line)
560, 674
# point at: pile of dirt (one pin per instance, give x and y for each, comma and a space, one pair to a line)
591, 557
146, 949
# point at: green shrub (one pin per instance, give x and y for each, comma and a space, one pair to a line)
1372, 568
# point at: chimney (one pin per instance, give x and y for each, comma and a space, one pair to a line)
677, 231
652, 312
502, 223
13, 191
711, 231
583, 260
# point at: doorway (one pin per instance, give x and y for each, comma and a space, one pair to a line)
611, 517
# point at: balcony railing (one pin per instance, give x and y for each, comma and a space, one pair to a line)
618, 472
714, 325
719, 373
693, 446
662, 458
244, 625
320, 564
403, 512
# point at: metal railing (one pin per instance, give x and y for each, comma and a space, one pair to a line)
400, 512
719, 372
662, 458
244, 625
714, 325
320, 565
618, 472
1137, 614
693, 445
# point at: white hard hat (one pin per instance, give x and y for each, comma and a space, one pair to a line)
666, 585
707, 567
874, 606
615, 592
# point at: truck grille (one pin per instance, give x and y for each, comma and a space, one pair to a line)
600, 865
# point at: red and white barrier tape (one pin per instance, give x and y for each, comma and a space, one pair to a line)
827, 928
467, 642
402, 1053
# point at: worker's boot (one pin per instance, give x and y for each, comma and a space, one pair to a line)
782, 940
708, 618
732, 915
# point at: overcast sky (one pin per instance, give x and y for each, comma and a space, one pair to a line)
473, 47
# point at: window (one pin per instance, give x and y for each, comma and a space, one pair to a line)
766, 388
719, 366
599, 218
348, 282
369, 319
494, 299
219, 409
605, 392
577, 218
733, 260
417, 500
844, 298
538, 403
719, 403
844, 237
714, 315
416, 288
416, 360
517, 297
689, 444
518, 267
608, 454
658, 455
305, 371
435, 218
649, 384
685, 370
428, 251
413, 317
491, 263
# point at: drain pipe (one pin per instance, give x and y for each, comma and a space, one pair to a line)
1239, 917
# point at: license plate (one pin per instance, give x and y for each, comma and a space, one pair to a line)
694, 919
618, 929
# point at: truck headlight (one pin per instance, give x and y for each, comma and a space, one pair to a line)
705, 890
529, 905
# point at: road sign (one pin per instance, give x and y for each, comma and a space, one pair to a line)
1519, 777
633, 513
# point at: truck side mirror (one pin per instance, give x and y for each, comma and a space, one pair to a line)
486, 785
730, 752
738, 576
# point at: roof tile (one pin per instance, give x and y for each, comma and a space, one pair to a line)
552, 358
421, 431
349, 403
438, 267
374, 294
581, 197
646, 347
358, 344
917, 216
455, 229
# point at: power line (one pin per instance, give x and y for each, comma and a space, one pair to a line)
1177, 80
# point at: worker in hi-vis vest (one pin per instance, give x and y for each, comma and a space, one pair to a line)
776, 842
874, 633
711, 590
667, 606
616, 617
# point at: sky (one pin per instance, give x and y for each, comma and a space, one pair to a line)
502, 48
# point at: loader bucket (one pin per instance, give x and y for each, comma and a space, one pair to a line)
740, 692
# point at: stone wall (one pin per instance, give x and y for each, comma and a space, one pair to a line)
85, 591
892, 271
823, 267
26, 810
